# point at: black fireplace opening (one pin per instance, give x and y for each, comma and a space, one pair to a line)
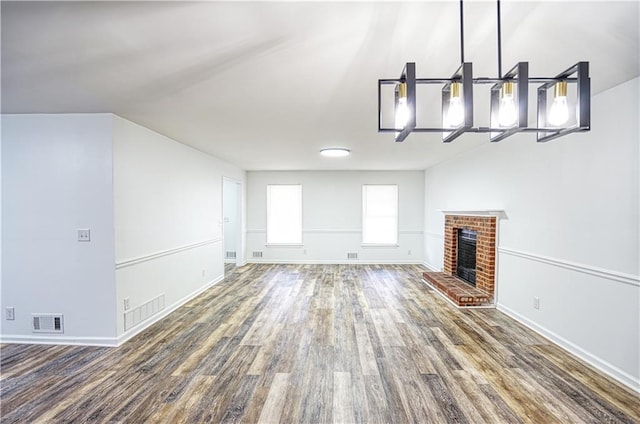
466, 262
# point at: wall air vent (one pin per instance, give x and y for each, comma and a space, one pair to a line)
257, 254
47, 323
143, 312
230, 254
352, 255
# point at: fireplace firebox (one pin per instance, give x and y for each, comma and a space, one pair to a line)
466, 255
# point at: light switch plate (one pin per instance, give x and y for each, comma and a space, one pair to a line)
84, 234
10, 313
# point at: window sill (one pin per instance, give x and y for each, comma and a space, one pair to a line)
284, 245
367, 245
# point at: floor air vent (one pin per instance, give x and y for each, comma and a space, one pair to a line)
257, 254
47, 323
230, 254
352, 255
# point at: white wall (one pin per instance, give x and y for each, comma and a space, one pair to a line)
57, 178
168, 218
1, 256
571, 233
332, 216
154, 208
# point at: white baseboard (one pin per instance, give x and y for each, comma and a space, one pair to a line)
334, 262
59, 340
123, 338
607, 368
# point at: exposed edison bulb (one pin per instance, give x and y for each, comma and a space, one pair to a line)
402, 110
455, 114
559, 112
508, 113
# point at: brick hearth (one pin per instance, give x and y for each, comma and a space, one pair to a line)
461, 293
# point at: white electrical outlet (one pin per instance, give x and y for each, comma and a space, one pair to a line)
127, 303
409, 252
203, 272
536, 303
84, 234
10, 313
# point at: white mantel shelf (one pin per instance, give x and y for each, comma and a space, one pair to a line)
500, 213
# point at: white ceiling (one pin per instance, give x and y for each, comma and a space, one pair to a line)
266, 85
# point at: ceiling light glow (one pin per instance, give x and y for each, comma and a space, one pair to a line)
335, 152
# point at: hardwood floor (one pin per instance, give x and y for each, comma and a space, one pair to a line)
315, 344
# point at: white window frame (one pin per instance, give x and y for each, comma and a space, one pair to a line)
366, 242
298, 239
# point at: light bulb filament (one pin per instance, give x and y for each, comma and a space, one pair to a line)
559, 112
455, 113
508, 113
402, 109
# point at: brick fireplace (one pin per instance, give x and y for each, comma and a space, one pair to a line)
485, 226
447, 282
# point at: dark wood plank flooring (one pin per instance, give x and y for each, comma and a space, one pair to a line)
315, 344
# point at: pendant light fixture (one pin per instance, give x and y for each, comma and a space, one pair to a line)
509, 99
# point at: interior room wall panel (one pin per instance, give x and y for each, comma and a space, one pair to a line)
332, 216
168, 219
56, 179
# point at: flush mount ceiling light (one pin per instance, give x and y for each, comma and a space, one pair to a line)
335, 152
508, 105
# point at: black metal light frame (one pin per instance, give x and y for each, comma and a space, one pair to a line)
519, 75
583, 106
463, 75
408, 77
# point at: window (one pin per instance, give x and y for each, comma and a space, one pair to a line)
380, 214
284, 214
